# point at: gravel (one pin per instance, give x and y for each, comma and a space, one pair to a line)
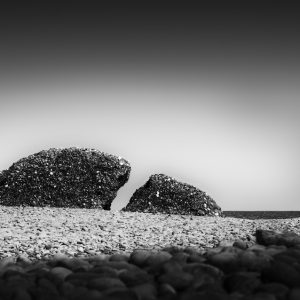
70, 253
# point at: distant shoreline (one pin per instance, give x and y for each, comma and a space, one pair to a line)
262, 214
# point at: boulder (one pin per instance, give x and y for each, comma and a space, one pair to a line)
72, 177
164, 194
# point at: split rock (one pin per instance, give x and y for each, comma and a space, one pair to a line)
71, 177
164, 194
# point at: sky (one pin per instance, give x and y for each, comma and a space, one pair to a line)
208, 95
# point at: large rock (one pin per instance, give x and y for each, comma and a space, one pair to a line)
164, 194
72, 177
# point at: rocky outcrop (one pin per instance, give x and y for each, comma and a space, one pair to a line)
72, 177
163, 194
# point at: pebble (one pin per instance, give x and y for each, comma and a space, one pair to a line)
21, 294
158, 258
145, 291
279, 290
294, 294
178, 280
139, 257
103, 283
61, 272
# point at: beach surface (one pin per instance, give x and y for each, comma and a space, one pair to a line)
38, 233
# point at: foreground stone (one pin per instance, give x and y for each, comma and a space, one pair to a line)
73, 177
164, 194
269, 237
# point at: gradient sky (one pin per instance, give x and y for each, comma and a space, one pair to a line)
207, 95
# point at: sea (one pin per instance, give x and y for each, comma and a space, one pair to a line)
262, 214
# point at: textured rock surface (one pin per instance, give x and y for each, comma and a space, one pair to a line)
72, 177
164, 194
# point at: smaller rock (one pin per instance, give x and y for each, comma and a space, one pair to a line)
163, 194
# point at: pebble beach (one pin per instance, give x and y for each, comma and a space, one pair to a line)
72, 253
40, 233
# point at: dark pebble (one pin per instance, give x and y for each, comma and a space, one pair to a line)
243, 282
283, 273
279, 290
178, 280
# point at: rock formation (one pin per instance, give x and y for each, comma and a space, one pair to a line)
72, 177
163, 194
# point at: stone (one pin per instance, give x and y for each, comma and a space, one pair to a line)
21, 294
71, 177
119, 257
196, 269
279, 290
269, 237
240, 244
165, 290
243, 282
260, 296
117, 293
61, 272
206, 294
294, 294
164, 194
139, 257
146, 291
133, 278
282, 273
105, 283
179, 280
254, 261
226, 261
158, 258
